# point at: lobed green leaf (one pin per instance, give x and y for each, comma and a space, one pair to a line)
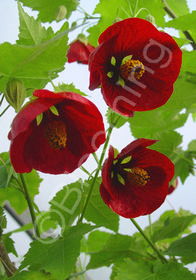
97, 211
58, 258
48, 9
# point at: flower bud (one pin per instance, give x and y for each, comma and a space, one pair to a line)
15, 93
117, 19
74, 24
82, 38
61, 12
150, 18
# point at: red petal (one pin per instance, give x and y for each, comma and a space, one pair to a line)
79, 52
17, 152
41, 156
141, 142
28, 113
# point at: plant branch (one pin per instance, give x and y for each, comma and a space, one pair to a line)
173, 15
161, 257
30, 204
10, 268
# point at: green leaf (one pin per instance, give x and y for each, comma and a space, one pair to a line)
172, 227
46, 224
181, 41
108, 16
129, 269
3, 176
31, 31
4, 277
48, 9
150, 124
66, 204
188, 64
3, 220
33, 65
58, 258
116, 248
156, 9
9, 244
184, 94
184, 247
22, 228
192, 145
116, 119
95, 242
33, 275
184, 22
68, 87
97, 211
123, 11
184, 165
171, 271
179, 7
13, 192
167, 144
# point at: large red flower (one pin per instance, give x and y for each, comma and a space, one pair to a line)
136, 181
136, 66
78, 51
55, 133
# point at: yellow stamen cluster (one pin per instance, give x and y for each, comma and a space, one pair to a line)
56, 134
132, 69
138, 176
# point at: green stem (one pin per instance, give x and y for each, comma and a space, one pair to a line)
150, 224
96, 158
85, 170
1, 101
173, 15
161, 257
30, 204
97, 172
4, 110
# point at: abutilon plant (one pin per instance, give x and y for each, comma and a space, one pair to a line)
135, 181
55, 133
79, 50
136, 66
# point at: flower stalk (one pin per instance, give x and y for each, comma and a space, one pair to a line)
161, 257
97, 172
30, 204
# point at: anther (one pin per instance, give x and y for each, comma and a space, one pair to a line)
55, 133
138, 176
132, 69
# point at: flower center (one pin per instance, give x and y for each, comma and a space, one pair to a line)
138, 176
55, 133
132, 69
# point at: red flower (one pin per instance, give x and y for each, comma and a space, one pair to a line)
136, 181
136, 66
173, 186
79, 52
71, 128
